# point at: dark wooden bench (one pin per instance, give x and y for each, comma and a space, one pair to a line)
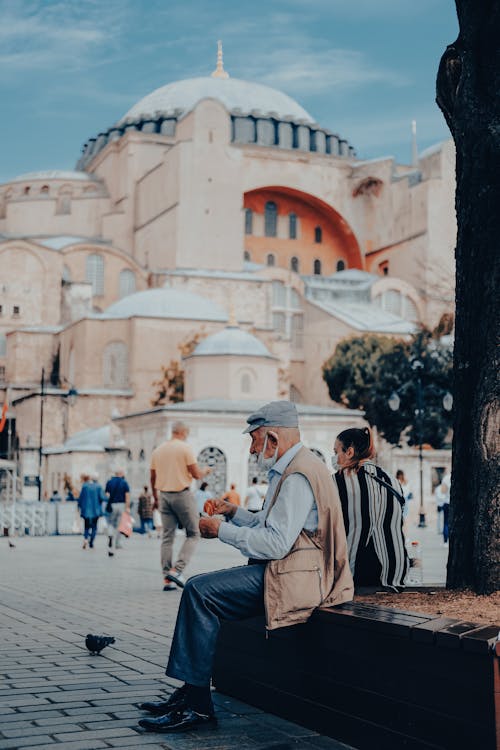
370, 676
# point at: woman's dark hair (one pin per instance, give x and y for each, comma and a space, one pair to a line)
203, 486
361, 441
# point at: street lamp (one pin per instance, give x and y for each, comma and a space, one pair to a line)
70, 397
394, 403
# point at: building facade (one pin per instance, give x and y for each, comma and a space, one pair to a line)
213, 200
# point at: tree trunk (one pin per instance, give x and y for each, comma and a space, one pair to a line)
468, 93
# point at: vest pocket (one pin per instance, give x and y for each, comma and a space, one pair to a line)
299, 581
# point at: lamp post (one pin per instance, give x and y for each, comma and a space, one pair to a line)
70, 397
40, 439
394, 402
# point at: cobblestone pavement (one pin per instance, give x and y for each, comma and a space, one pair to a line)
54, 694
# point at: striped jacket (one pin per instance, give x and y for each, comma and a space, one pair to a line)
373, 517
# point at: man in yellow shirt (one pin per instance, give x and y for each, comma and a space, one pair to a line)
173, 468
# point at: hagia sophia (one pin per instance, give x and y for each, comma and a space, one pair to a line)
219, 227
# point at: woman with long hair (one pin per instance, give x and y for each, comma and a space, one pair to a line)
372, 504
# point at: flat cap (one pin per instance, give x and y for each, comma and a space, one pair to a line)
274, 414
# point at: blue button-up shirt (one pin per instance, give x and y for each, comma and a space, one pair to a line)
271, 535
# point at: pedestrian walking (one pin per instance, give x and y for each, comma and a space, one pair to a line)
442, 495
372, 506
254, 499
90, 507
173, 467
298, 546
118, 501
145, 511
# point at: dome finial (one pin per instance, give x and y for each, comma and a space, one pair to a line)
219, 71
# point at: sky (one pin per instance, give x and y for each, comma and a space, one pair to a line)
362, 68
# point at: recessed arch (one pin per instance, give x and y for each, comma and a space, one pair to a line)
335, 240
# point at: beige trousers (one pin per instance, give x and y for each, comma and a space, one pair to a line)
178, 508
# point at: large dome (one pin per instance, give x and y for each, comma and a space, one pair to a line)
231, 92
166, 303
234, 341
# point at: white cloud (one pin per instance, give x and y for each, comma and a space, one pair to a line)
312, 72
38, 35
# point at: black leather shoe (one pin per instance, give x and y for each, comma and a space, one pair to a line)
179, 721
177, 701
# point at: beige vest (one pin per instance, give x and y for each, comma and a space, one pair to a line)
315, 573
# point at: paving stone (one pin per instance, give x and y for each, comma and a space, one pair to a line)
98, 734
77, 745
28, 731
66, 698
16, 742
17, 716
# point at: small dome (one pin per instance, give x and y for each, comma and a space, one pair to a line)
55, 174
165, 302
233, 93
232, 340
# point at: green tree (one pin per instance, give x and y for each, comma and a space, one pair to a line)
170, 387
364, 371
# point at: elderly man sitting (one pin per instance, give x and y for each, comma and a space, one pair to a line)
298, 561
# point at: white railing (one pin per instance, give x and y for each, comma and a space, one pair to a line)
22, 518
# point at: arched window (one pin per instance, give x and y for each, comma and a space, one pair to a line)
115, 365
2, 206
3, 345
27, 190
292, 226
246, 383
294, 264
248, 221
216, 460
317, 267
295, 394
66, 274
94, 272
270, 260
383, 268
44, 190
142, 455
318, 234
127, 282
340, 265
270, 219
246, 256
64, 201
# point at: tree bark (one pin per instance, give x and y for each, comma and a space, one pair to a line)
468, 93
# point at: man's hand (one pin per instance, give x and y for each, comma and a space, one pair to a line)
216, 506
209, 527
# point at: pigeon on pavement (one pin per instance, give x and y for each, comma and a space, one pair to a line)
96, 643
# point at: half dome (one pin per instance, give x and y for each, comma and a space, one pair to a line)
166, 302
233, 341
233, 93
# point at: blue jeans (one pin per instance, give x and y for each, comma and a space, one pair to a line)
90, 529
146, 523
231, 594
